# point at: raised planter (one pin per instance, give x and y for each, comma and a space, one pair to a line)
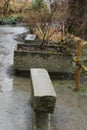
24, 59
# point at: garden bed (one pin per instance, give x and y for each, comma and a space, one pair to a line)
31, 56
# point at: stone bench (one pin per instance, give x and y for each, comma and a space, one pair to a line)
43, 98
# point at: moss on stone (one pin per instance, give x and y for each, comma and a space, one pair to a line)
44, 104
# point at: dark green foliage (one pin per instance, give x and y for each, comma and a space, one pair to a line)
11, 20
37, 4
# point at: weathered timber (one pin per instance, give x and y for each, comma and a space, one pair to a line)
82, 66
44, 96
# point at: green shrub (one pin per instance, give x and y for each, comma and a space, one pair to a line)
11, 19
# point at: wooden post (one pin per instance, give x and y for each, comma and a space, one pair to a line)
62, 31
77, 78
62, 36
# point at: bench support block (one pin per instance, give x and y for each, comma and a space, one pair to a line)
41, 121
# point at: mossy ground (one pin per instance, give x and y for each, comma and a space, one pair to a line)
70, 85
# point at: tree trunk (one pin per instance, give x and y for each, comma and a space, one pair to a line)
5, 8
77, 19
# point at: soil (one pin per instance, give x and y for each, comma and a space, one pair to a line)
66, 46
45, 49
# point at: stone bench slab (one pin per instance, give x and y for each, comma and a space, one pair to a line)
44, 96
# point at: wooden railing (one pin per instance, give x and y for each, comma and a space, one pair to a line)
77, 60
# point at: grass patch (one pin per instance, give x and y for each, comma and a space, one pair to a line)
70, 84
64, 83
83, 87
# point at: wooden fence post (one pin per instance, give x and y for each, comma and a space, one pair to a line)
77, 78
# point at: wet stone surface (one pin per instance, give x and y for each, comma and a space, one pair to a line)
41, 121
15, 108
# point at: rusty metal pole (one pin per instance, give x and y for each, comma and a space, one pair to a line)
77, 78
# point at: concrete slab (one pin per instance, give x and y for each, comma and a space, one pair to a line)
30, 37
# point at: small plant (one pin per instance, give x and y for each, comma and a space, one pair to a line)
47, 22
11, 19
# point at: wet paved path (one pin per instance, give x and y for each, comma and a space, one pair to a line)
15, 111
71, 110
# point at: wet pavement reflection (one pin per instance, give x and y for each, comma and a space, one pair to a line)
15, 108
